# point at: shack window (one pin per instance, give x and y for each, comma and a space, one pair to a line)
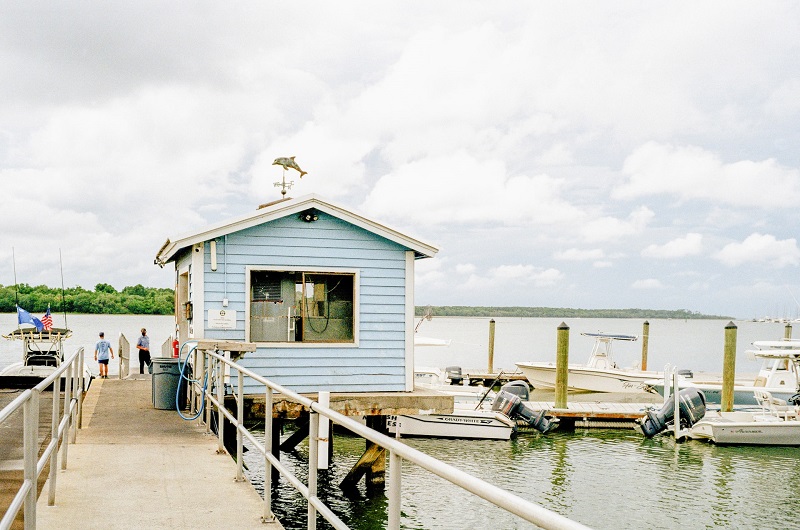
291, 306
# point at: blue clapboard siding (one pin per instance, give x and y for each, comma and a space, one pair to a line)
378, 362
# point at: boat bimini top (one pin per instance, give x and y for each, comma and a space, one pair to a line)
600, 357
41, 348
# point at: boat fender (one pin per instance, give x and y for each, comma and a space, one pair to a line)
692, 406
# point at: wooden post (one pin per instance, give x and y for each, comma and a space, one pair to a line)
491, 347
645, 340
562, 363
728, 368
787, 332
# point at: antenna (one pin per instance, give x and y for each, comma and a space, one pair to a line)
16, 288
63, 303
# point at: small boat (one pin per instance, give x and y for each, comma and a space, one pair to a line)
452, 382
462, 423
495, 420
777, 375
776, 424
42, 354
599, 374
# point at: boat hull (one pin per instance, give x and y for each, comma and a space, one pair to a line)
584, 379
461, 424
746, 428
742, 394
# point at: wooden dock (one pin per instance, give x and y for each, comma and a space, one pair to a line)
599, 410
134, 466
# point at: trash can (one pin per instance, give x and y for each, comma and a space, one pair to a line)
166, 374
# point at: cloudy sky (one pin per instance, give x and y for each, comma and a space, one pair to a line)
569, 154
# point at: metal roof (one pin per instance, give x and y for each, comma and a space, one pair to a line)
281, 208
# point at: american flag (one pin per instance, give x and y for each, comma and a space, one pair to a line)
47, 320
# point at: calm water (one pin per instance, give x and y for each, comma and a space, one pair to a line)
606, 479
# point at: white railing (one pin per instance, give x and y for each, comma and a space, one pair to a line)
65, 421
210, 375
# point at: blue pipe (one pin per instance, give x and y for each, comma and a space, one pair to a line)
183, 376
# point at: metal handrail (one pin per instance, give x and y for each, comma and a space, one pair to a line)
64, 426
211, 365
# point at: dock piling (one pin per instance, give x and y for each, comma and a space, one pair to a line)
645, 339
491, 346
728, 368
562, 361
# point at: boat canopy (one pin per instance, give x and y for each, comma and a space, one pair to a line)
36, 335
611, 336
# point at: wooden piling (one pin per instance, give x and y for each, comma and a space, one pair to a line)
491, 347
562, 362
728, 368
787, 331
645, 339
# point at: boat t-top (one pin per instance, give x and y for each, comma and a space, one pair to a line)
42, 354
600, 373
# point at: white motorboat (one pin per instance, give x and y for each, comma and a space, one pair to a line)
462, 423
599, 374
42, 354
777, 375
494, 419
776, 424
451, 382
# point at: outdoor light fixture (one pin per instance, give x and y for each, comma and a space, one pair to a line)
309, 216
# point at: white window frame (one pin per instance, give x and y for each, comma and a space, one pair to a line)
315, 270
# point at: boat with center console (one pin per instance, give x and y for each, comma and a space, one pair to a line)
600, 373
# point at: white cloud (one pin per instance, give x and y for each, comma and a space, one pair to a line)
465, 268
648, 284
761, 248
612, 228
696, 173
576, 254
690, 245
457, 188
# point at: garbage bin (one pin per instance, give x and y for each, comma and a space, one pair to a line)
166, 374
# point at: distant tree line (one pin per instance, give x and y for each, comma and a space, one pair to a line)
559, 312
135, 300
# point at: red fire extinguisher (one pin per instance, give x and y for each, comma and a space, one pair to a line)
175, 348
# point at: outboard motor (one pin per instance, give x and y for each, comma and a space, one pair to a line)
511, 405
692, 407
518, 388
687, 374
454, 374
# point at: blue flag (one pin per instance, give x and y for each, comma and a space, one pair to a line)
23, 317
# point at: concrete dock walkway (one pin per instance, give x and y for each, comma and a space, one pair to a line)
133, 466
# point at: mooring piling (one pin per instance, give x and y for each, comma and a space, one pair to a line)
645, 339
728, 368
562, 362
491, 347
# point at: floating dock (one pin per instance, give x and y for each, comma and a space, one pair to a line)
134, 466
592, 409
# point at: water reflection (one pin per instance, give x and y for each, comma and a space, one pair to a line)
587, 475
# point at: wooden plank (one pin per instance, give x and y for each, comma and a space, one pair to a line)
225, 345
589, 410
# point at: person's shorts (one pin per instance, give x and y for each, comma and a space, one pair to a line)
103, 361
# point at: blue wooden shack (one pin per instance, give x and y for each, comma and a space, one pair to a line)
325, 293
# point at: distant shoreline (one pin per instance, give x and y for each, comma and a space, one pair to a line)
561, 312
